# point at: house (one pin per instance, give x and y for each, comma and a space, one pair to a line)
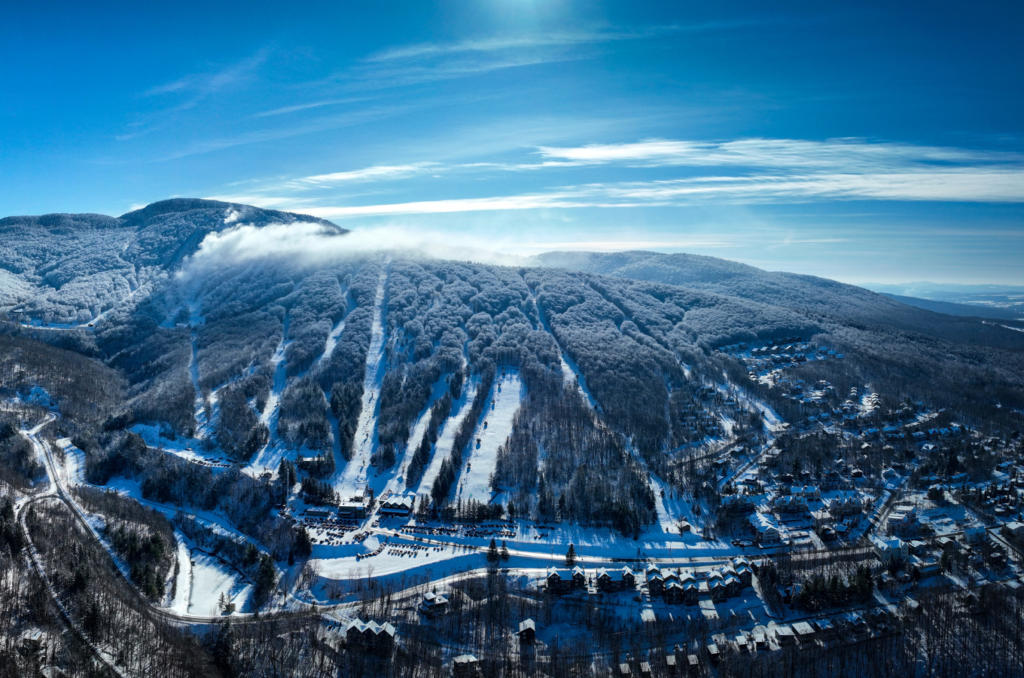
743, 571
370, 634
670, 664
527, 631
1014, 529
760, 636
397, 505
674, 593
821, 519
433, 604
624, 670
465, 665
804, 632
805, 491
655, 582
579, 577
784, 635
615, 580
825, 629
975, 535
716, 587
765, 531
692, 664
559, 580
927, 568
790, 504
890, 549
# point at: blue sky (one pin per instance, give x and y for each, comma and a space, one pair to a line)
862, 143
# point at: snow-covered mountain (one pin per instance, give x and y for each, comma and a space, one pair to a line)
558, 388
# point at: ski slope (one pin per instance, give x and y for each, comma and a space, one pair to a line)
492, 431
353, 478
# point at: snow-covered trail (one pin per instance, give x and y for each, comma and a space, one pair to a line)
269, 456
446, 437
332, 341
354, 476
397, 484
492, 432
570, 370
183, 580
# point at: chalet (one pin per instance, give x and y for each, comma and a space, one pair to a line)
465, 665
790, 504
670, 664
692, 664
691, 589
714, 652
579, 577
370, 634
527, 631
397, 505
716, 587
433, 604
559, 580
674, 594
733, 586
760, 636
645, 668
615, 580
845, 504
624, 670
743, 570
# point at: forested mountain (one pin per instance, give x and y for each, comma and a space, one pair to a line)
390, 361
806, 293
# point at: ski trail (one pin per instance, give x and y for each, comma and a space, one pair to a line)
570, 370
492, 431
332, 341
397, 483
446, 438
183, 580
356, 473
269, 457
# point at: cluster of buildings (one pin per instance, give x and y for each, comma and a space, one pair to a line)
687, 587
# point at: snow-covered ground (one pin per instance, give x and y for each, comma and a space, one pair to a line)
491, 432
179, 602
211, 577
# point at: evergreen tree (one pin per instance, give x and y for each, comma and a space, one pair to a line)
492, 552
504, 552
570, 556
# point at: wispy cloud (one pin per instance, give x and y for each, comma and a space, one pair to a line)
751, 171
205, 83
841, 154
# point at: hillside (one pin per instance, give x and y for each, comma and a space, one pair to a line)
805, 293
369, 369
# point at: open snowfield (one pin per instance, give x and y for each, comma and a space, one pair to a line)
492, 431
211, 577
